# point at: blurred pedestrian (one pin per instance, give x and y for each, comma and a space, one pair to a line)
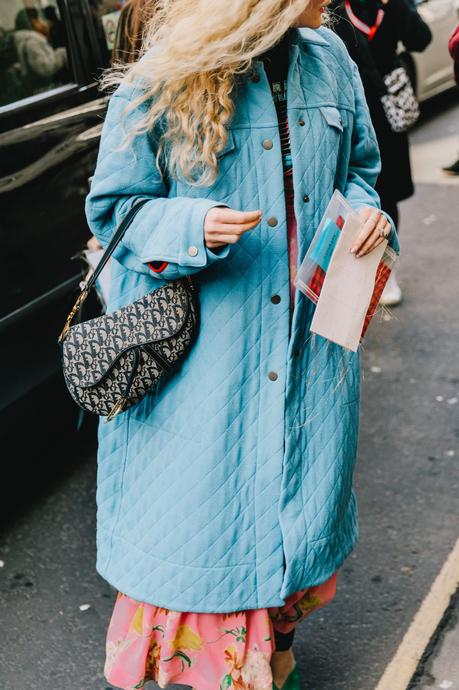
57, 35
453, 46
29, 18
39, 62
11, 87
372, 31
225, 499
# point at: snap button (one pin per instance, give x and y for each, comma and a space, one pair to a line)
275, 299
305, 198
255, 78
301, 122
272, 222
192, 251
272, 376
267, 144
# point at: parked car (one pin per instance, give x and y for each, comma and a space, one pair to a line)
50, 119
431, 71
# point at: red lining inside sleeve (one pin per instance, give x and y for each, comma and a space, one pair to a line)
158, 266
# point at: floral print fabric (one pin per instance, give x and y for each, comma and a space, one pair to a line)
208, 651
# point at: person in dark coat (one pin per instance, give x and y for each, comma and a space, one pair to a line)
376, 56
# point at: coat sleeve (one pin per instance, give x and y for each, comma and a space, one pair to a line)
166, 230
414, 32
365, 160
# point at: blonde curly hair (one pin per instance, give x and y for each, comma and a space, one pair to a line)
192, 52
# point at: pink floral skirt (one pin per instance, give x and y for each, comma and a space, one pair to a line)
209, 651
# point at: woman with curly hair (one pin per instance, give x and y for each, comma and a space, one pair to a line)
225, 498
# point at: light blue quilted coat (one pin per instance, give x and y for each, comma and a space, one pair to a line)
227, 490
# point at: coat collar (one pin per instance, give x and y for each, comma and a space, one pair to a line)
259, 106
306, 35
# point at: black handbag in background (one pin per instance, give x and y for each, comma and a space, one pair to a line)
112, 361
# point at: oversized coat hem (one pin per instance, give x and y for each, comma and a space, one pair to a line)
244, 595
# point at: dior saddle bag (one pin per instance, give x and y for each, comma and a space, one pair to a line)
113, 361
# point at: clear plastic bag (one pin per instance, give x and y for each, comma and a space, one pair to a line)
311, 274
340, 217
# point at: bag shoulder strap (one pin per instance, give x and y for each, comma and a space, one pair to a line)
86, 286
114, 242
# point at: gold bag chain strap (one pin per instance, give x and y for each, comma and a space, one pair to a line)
86, 286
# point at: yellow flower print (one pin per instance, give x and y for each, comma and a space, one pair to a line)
152, 663
308, 603
231, 658
186, 638
137, 621
233, 677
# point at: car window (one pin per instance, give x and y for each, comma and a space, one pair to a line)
105, 16
33, 50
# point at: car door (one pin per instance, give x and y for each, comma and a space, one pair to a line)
50, 118
433, 66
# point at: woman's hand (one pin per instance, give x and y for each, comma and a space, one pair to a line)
224, 225
376, 229
93, 244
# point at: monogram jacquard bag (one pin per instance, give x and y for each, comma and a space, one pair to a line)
112, 361
400, 105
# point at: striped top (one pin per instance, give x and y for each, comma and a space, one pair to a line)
279, 91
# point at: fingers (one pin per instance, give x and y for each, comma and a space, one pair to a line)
233, 228
375, 239
222, 239
368, 228
225, 225
233, 217
370, 236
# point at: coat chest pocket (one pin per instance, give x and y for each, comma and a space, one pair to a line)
331, 127
332, 117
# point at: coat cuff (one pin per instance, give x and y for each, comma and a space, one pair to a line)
191, 249
393, 237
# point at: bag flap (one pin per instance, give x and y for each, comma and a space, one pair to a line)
92, 348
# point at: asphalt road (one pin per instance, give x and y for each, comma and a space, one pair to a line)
407, 483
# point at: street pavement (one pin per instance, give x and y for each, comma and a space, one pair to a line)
440, 667
55, 608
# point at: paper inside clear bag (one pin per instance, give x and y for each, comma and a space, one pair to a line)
352, 291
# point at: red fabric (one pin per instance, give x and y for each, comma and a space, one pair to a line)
158, 266
382, 275
453, 46
292, 239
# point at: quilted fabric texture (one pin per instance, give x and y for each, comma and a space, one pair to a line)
231, 487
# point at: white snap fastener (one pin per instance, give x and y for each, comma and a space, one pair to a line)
192, 251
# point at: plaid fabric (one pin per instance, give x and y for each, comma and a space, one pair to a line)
382, 276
